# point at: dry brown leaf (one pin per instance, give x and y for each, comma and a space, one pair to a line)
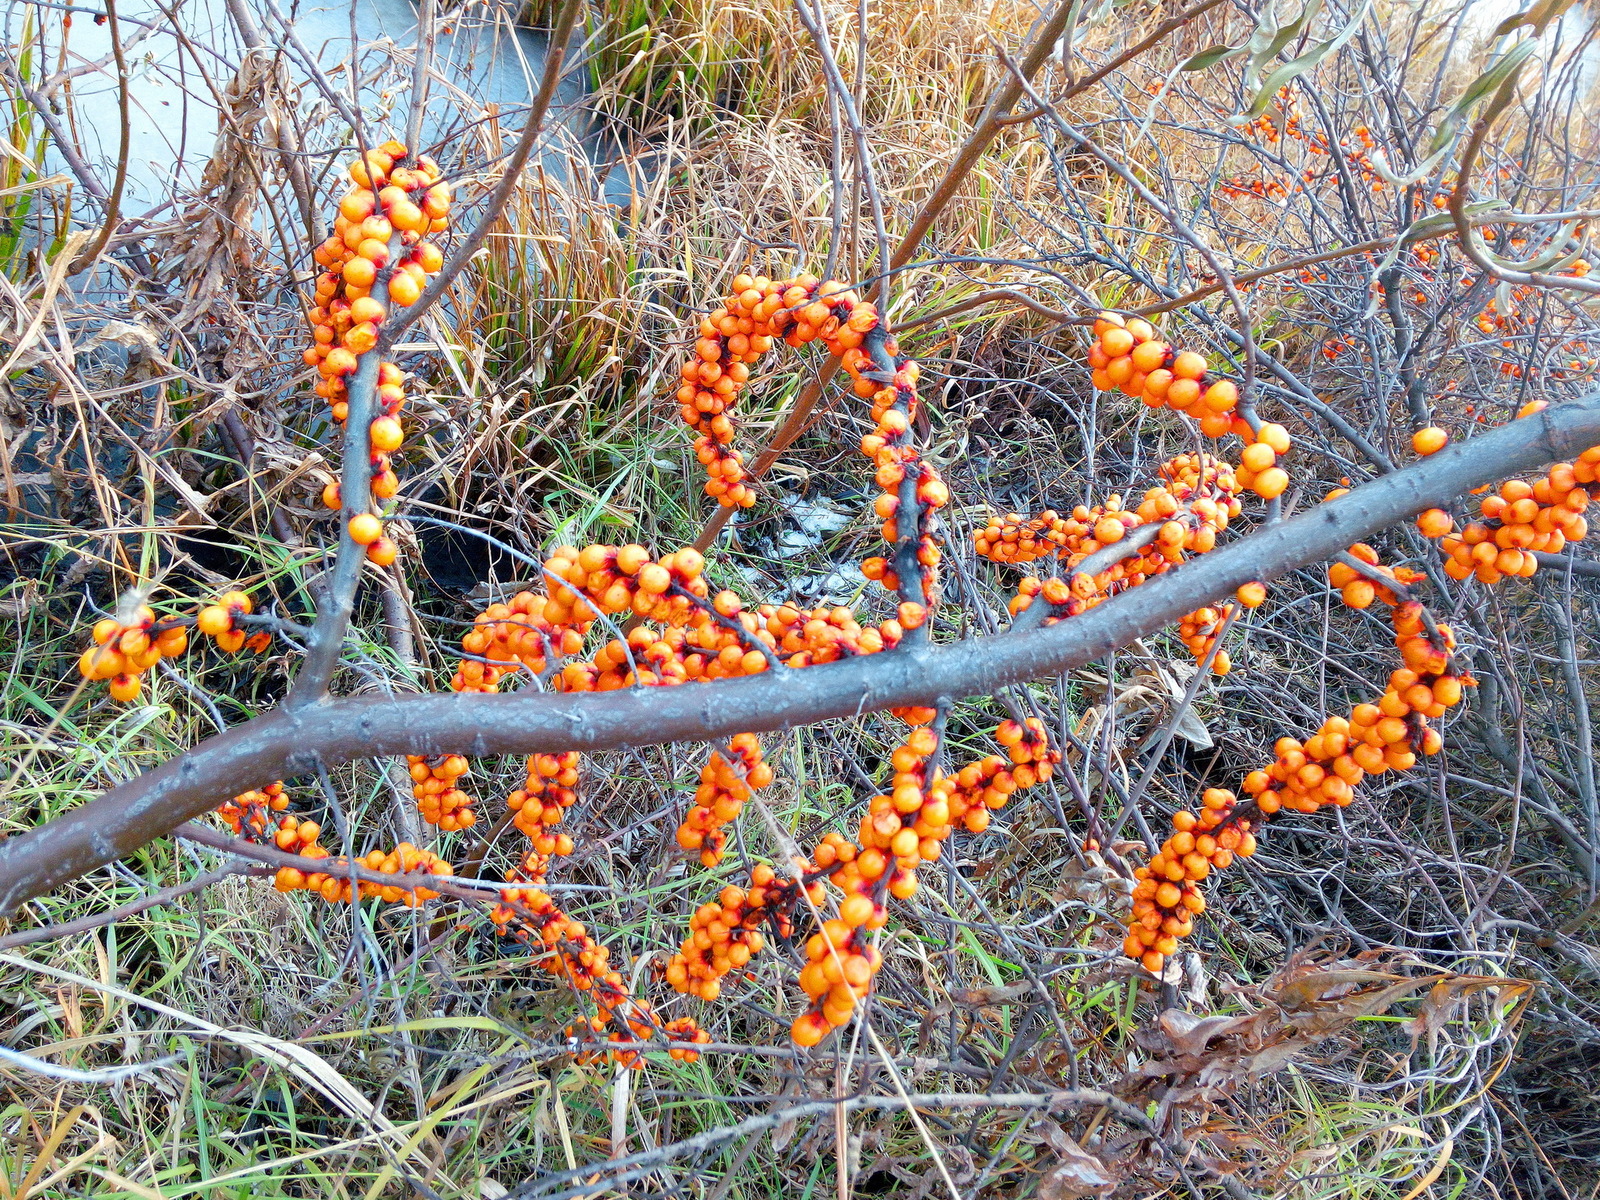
1075, 1173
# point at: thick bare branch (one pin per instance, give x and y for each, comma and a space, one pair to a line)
290, 741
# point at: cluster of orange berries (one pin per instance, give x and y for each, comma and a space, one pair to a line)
1198, 498
1384, 736
250, 814
124, 650
724, 936
1165, 898
1127, 357
1288, 126
1262, 188
379, 243
724, 787
1358, 589
334, 886
899, 832
530, 915
504, 636
549, 789
913, 493
1305, 777
1199, 631
583, 584
823, 635
803, 310
738, 332
987, 785
1518, 520
439, 801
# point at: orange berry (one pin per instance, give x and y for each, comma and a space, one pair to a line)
1116, 342
214, 620
366, 309
1252, 595
1435, 523
1359, 593
1258, 457
365, 529
360, 272
809, 1029
1275, 436
404, 289
1270, 483
1430, 440
386, 435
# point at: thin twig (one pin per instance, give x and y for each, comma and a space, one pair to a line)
510, 178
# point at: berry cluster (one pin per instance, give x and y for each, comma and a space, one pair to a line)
1198, 498
378, 256
528, 914
1518, 520
1305, 777
724, 787
1165, 898
724, 936
124, 649
439, 801
740, 331
987, 785
250, 815
123, 652
1199, 631
505, 636
334, 885
803, 310
1359, 587
1128, 357
899, 832
540, 804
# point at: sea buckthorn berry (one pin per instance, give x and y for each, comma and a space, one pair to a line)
365, 529
1270, 483
1430, 440
1435, 523
214, 620
1275, 436
386, 435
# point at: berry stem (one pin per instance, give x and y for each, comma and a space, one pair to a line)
326, 642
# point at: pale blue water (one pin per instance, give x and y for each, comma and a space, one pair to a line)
486, 60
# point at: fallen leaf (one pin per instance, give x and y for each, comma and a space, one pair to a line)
1076, 1172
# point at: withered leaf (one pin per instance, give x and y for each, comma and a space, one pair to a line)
1075, 1173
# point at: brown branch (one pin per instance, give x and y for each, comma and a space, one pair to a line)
166, 895
511, 176
288, 741
91, 254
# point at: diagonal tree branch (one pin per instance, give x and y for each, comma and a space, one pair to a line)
289, 741
510, 176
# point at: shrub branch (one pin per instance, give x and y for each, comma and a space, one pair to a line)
292, 741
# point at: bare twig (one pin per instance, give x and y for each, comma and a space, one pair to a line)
511, 176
